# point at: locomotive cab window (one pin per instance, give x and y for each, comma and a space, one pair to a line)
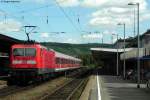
30, 52
24, 52
18, 52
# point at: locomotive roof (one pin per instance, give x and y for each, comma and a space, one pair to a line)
58, 54
37, 45
61, 55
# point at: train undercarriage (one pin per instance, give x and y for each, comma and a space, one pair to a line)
27, 76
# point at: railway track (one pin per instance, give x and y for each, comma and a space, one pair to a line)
66, 91
9, 90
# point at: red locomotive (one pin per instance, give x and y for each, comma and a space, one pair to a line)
36, 62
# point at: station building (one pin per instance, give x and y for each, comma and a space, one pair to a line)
144, 54
108, 55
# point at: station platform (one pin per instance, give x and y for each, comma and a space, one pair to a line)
102, 87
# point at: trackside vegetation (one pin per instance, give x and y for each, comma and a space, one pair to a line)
81, 51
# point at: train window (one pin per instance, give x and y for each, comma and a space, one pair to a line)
18, 52
57, 60
62, 61
30, 52
41, 52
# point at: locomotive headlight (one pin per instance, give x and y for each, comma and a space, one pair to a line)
31, 62
17, 62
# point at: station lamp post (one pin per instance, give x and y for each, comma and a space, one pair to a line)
138, 41
102, 38
117, 57
124, 62
134, 31
117, 64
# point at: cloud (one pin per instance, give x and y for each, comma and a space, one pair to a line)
110, 13
10, 25
112, 3
44, 35
93, 36
110, 16
109, 32
68, 3
144, 17
93, 3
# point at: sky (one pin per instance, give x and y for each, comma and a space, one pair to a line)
73, 21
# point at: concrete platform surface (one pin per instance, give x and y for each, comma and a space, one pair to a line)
113, 88
90, 91
118, 89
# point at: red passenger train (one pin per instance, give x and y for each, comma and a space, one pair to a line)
36, 62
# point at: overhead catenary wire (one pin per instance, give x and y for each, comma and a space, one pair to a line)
47, 17
13, 16
77, 17
34, 9
65, 14
24, 11
22, 18
8, 14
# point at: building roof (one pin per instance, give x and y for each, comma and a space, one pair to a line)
8, 39
6, 42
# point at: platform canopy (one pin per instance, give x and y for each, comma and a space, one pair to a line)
110, 49
107, 56
107, 53
6, 42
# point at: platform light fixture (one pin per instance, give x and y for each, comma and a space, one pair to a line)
124, 61
117, 58
138, 41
